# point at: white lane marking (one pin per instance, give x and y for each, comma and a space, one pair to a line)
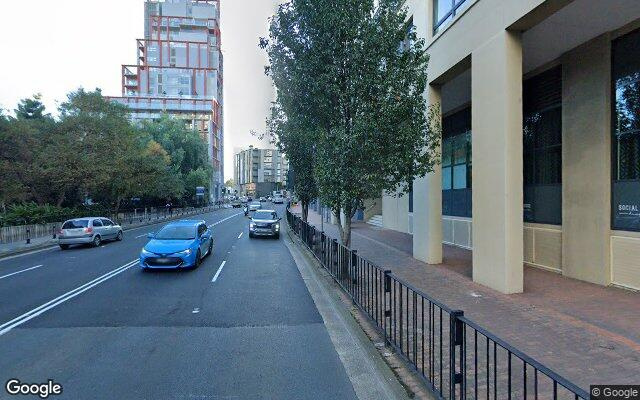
19, 272
29, 253
222, 220
7, 326
215, 277
139, 236
195, 311
240, 235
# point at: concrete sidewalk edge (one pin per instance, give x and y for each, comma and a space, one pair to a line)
370, 375
52, 244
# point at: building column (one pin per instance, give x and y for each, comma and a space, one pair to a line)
427, 205
586, 162
496, 123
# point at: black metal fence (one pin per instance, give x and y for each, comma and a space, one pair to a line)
455, 356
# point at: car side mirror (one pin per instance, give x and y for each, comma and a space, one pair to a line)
151, 235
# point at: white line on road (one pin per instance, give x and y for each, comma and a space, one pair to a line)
240, 235
139, 236
7, 326
222, 220
215, 277
19, 272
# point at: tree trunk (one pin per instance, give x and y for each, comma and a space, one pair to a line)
61, 197
346, 232
305, 210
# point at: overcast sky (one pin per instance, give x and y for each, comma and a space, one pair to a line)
53, 47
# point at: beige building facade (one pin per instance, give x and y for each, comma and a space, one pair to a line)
540, 105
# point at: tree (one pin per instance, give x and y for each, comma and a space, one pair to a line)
357, 78
32, 108
230, 183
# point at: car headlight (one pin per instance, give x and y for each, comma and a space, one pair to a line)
277, 227
146, 253
252, 225
186, 252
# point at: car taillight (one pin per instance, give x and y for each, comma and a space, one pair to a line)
88, 230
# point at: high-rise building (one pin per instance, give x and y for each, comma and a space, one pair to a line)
259, 171
178, 71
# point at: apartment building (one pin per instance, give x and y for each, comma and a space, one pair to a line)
258, 172
540, 106
178, 71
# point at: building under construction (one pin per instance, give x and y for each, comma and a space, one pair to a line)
178, 71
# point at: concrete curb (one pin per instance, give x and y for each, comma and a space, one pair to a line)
370, 375
52, 244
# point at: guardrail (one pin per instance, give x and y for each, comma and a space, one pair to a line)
455, 356
12, 234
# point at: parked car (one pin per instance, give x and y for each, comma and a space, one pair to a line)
180, 244
264, 223
89, 230
278, 199
255, 206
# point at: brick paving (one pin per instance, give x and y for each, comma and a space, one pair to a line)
587, 333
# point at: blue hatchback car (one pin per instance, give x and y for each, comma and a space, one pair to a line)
180, 244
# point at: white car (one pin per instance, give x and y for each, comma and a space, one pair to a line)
278, 200
89, 230
255, 206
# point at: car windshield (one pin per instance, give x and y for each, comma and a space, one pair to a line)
265, 215
75, 224
176, 232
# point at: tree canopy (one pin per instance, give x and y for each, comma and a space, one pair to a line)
93, 151
350, 79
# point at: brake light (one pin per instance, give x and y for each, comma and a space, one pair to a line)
88, 230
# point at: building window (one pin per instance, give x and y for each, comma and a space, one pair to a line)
411, 197
626, 133
542, 147
456, 164
445, 10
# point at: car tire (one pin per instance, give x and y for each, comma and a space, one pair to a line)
198, 260
64, 246
210, 251
119, 236
277, 236
97, 240
250, 235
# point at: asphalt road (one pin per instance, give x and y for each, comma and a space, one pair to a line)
92, 321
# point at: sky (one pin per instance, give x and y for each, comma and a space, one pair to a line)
55, 46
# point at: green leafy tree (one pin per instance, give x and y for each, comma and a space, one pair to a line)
357, 78
31, 108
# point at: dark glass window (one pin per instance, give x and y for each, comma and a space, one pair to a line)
456, 164
626, 133
411, 198
445, 10
542, 147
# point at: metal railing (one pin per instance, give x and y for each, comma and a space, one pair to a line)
17, 233
455, 356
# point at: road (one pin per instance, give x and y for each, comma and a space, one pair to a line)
91, 320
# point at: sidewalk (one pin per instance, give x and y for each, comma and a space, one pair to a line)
588, 333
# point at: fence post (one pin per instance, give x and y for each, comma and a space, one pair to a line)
53, 232
387, 303
323, 249
354, 267
456, 330
28, 236
334, 257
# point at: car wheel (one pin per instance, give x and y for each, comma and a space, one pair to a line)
277, 236
210, 251
198, 260
119, 237
64, 246
96, 241
250, 235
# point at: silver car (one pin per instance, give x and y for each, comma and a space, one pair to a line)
89, 230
